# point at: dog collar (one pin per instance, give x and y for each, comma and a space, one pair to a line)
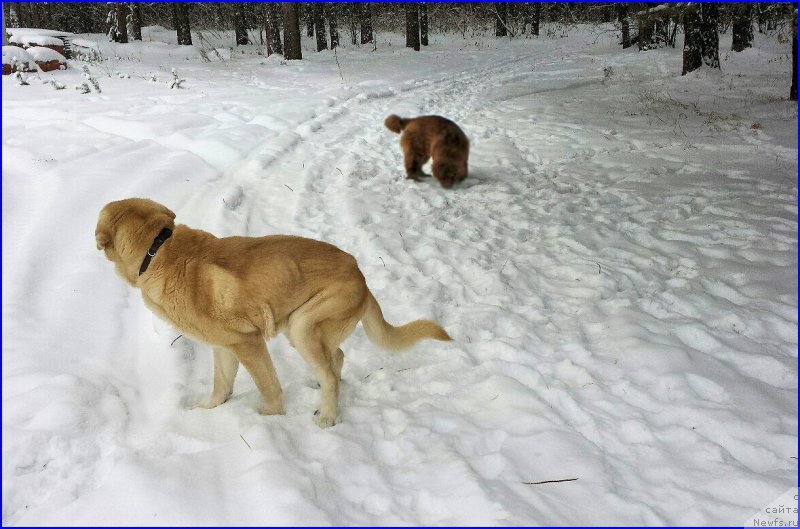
162, 236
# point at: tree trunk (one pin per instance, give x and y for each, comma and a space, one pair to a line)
352, 19
501, 19
537, 18
136, 21
291, 32
366, 23
622, 16
423, 24
122, 23
412, 26
173, 11
6, 9
273, 29
793, 90
709, 15
267, 28
240, 25
646, 27
692, 43
333, 24
117, 31
180, 19
319, 26
308, 15
742, 27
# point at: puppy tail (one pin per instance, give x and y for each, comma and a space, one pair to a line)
395, 123
393, 338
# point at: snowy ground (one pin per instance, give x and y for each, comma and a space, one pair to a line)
619, 272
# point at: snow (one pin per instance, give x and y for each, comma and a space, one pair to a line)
38, 40
15, 54
619, 272
42, 54
84, 43
37, 31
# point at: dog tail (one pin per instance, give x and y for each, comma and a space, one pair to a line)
395, 123
393, 338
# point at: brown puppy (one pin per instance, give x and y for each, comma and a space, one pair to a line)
432, 137
236, 292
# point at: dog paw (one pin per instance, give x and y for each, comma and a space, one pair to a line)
212, 402
324, 421
271, 410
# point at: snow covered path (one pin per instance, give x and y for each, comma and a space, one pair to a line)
619, 272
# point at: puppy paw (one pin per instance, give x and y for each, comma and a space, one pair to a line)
417, 176
324, 421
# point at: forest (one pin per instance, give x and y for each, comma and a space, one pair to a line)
277, 26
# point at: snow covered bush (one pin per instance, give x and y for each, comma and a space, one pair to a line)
47, 59
85, 50
175, 82
90, 83
15, 59
21, 79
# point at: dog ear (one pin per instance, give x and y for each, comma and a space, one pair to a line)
102, 238
167, 211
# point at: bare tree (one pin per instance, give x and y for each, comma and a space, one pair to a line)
291, 32
412, 26
423, 24
742, 27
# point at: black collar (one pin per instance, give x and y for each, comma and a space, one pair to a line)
162, 236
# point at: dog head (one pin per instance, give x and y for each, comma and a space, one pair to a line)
126, 229
449, 173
